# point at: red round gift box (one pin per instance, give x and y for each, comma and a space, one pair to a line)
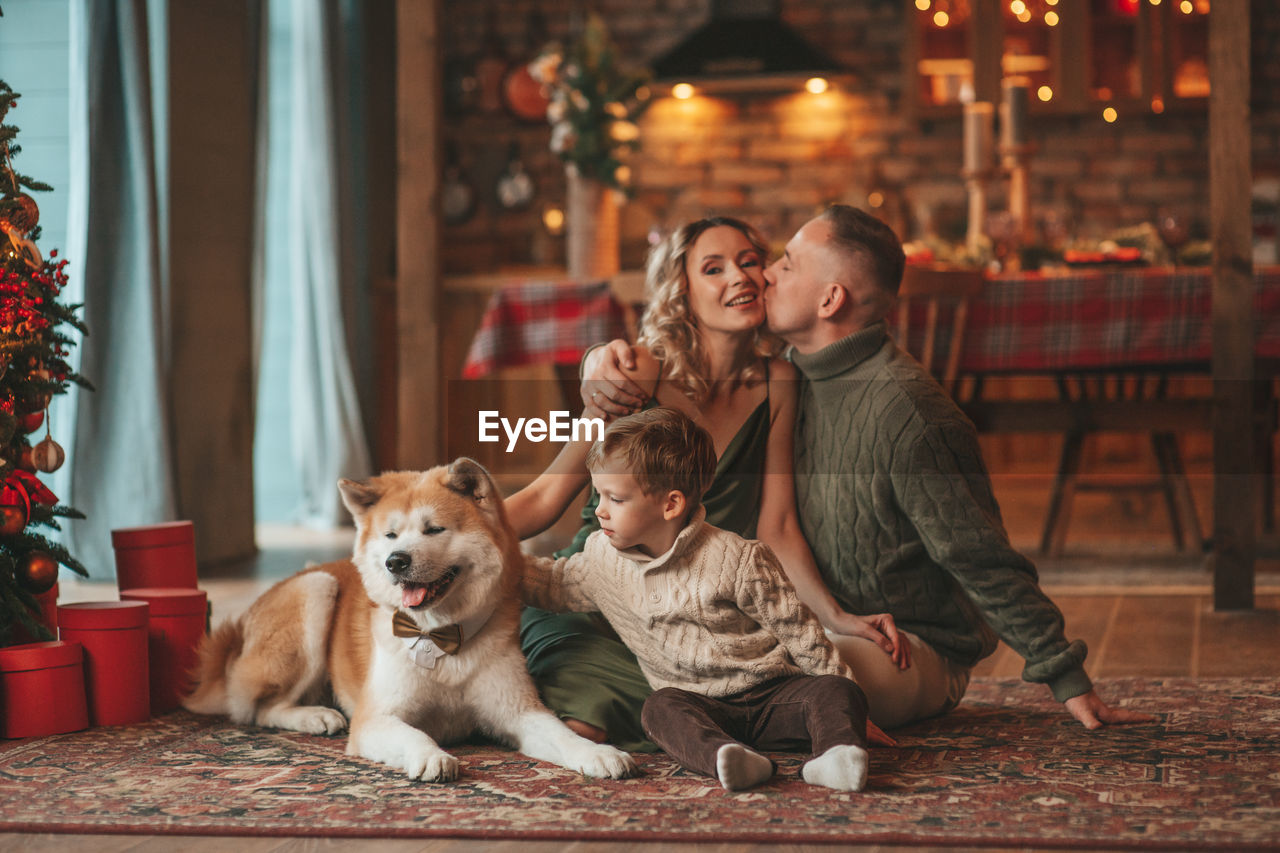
42, 689
174, 629
114, 636
158, 555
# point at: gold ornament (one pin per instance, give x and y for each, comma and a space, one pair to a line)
48, 455
19, 213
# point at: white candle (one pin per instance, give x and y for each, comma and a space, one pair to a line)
1013, 111
977, 136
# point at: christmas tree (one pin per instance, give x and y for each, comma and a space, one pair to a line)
33, 367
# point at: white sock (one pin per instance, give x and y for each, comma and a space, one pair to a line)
841, 767
738, 767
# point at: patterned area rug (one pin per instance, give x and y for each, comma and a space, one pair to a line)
1008, 767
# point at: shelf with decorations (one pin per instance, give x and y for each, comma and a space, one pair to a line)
1080, 57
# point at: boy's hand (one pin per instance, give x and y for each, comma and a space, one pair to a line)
1090, 710
877, 737
880, 629
605, 385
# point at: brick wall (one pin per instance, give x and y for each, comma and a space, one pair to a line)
776, 159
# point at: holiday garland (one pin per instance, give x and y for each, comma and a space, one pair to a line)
33, 368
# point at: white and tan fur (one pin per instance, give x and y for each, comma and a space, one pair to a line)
322, 639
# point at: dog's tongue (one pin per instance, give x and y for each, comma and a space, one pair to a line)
413, 595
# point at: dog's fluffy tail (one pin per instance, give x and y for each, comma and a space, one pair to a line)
217, 652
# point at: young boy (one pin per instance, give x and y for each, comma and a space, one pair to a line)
737, 661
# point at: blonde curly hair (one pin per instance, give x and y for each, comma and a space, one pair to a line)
669, 328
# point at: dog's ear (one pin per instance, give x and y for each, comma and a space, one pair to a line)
468, 477
358, 495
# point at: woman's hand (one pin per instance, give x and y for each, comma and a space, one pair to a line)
606, 384
878, 628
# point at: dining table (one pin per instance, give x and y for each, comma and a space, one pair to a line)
1062, 326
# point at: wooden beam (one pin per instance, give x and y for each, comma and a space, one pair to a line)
420, 385
986, 48
1234, 451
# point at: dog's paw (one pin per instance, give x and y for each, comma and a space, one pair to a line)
323, 721
605, 762
308, 719
434, 766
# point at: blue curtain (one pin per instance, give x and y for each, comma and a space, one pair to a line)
312, 249
119, 467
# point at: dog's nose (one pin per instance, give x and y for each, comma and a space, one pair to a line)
398, 562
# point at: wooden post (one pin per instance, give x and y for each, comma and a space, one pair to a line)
420, 415
1234, 452
213, 92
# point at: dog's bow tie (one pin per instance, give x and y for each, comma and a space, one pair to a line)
447, 639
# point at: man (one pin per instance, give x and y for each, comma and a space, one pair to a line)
892, 492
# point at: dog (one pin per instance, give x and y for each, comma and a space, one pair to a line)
411, 644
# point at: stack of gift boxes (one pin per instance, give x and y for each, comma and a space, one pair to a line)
114, 662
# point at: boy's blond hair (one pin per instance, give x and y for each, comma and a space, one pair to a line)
663, 449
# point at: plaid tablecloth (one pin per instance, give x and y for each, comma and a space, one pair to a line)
1032, 323
543, 322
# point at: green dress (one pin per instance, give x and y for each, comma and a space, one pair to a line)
582, 669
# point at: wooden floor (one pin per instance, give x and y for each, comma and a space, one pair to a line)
1143, 610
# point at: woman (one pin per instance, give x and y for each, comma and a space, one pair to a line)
701, 350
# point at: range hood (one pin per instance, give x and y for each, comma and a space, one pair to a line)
744, 45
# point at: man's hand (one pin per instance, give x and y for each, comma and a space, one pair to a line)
605, 385
1090, 710
879, 628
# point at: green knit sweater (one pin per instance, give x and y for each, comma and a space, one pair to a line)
896, 503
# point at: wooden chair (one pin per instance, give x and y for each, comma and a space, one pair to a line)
942, 291
1120, 391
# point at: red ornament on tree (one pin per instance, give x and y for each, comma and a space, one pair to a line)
37, 572
13, 519
31, 421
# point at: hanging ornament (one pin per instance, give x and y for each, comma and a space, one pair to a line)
19, 213
37, 572
48, 455
31, 421
15, 511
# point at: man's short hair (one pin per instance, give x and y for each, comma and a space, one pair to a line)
664, 449
856, 232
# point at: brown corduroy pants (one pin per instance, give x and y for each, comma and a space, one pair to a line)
799, 712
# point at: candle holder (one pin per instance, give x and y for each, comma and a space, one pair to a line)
975, 183
1016, 160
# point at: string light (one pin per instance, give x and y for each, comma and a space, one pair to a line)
875, 199
683, 91
1187, 7
816, 85
941, 18
1051, 18
1017, 7
923, 5
1157, 104
1109, 115
553, 220
1044, 93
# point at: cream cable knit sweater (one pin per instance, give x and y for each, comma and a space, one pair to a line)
714, 615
